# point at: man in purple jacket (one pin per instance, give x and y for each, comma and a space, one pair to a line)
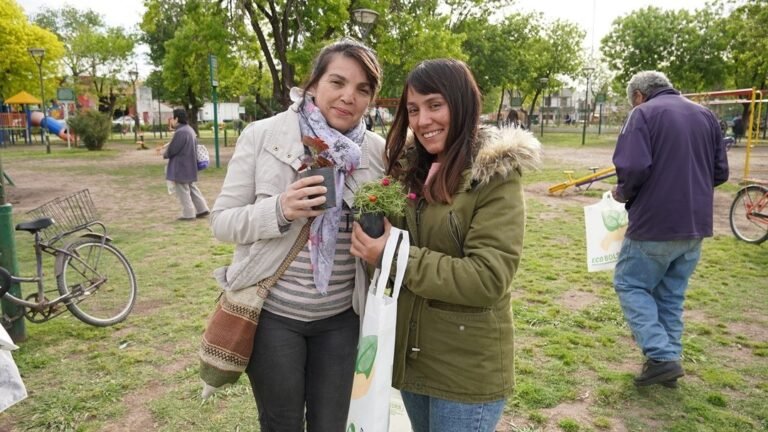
668, 158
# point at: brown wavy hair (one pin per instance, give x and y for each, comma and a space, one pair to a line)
454, 81
352, 49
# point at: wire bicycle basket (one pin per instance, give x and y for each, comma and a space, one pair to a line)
70, 213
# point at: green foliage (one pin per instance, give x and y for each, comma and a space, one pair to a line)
688, 47
92, 127
569, 425
385, 196
748, 37
92, 49
18, 70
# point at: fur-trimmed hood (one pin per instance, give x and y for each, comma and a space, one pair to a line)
497, 151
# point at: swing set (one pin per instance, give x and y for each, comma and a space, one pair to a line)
756, 149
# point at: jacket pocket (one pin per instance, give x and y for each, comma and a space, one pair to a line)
451, 307
460, 350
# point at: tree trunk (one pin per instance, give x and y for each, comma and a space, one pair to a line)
501, 104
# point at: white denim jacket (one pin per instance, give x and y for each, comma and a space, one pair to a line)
265, 162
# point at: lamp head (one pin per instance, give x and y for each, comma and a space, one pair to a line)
364, 19
36, 53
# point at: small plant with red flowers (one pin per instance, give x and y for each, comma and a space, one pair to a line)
376, 199
385, 196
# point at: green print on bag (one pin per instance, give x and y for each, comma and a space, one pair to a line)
366, 355
366, 358
614, 219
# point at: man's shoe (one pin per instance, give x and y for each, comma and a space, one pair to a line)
202, 214
657, 372
671, 384
185, 219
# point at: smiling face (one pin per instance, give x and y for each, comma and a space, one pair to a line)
429, 118
343, 93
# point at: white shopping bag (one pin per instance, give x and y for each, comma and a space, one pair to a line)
372, 388
606, 223
12, 389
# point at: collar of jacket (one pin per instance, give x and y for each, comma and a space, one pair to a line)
661, 92
496, 151
284, 139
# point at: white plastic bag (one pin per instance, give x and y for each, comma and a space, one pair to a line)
372, 387
12, 389
606, 223
203, 158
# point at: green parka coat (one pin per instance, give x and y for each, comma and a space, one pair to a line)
454, 318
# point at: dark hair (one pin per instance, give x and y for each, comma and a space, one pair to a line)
180, 114
454, 81
354, 50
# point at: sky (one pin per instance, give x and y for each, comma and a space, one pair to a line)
594, 16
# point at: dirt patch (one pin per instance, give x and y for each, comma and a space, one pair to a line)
138, 417
576, 300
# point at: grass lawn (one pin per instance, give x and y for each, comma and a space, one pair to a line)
575, 357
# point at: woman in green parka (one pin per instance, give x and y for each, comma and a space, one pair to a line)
454, 353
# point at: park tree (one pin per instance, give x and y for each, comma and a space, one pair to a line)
687, 46
554, 53
748, 43
419, 29
93, 50
200, 28
18, 70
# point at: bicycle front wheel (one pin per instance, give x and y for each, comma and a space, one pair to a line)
101, 282
747, 223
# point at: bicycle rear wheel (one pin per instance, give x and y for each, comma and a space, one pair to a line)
101, 281
745, 223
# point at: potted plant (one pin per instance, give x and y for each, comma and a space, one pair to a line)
317, 160
376, 199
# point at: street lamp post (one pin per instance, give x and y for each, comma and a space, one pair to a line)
134, 74
364, 19
587, 71
38, 54
543, 84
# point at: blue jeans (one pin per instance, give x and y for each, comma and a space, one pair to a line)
303, 369
650, 279
430, 414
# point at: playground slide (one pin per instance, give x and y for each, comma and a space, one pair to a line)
56, 127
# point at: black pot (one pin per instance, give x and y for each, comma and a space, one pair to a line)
372, 224
329, 181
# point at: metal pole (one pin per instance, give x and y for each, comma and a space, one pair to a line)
586, 109
135, 114
216, 127
600, 121
17, 331
43, 135
159, 115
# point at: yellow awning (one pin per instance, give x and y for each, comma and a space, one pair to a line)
22, 98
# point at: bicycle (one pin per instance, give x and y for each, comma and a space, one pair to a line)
94, 279
749, 214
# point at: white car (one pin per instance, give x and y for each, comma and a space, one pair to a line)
126, 121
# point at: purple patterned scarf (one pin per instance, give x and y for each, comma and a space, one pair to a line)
345, 153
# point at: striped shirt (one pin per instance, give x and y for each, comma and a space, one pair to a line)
295, 296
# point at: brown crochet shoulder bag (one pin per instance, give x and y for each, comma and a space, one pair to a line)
228, 340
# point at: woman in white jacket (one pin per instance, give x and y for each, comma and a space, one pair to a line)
305, 345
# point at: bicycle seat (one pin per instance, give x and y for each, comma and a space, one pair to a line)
36, 225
